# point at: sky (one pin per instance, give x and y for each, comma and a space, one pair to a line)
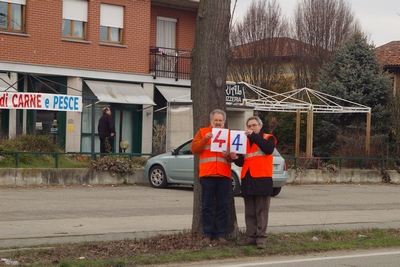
379, 19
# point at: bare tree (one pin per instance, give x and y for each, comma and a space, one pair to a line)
257, 44
320, 26
211, 55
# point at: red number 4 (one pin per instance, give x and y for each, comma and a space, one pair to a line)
217, 140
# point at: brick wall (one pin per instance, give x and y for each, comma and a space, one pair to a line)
43, 43
185, 26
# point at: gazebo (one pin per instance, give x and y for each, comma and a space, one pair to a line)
305, 100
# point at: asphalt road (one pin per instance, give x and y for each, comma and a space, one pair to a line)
39, 216
388, 257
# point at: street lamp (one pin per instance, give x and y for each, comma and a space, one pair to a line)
124, 144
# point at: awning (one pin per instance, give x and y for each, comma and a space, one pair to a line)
175, 94
5, 83
123, 93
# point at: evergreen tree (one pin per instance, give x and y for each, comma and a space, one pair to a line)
354, 74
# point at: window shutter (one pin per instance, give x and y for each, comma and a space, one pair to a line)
112, 16
20, 2
75, 10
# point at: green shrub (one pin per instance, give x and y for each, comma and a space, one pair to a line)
29, 143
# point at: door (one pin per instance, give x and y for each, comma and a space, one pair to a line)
128, 126
124, 129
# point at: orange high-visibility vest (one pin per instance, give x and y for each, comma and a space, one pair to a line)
260, 164
212, 163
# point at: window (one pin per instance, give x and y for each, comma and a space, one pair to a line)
12, 15
166, 28
74, 18
46, 120
111, 23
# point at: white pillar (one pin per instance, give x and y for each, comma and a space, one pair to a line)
73, 132
147, 118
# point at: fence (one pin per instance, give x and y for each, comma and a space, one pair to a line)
59, 157
291, 161
341, 162
170, 63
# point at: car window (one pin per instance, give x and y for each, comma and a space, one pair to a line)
185, 150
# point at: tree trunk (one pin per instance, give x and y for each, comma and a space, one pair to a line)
211, 55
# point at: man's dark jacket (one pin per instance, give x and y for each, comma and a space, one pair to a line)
106, 126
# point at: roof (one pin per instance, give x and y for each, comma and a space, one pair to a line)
389, 54
272, 47
303, 100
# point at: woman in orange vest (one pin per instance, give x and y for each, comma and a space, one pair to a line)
256, 180
215, 180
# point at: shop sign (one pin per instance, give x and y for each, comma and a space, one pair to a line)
40, 101
234, 93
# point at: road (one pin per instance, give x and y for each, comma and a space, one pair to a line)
389, 257
39, 216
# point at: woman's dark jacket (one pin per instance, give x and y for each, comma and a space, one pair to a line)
259, 186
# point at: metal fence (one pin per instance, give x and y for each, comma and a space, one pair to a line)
341, 162
291, 161
57, 156
170, 63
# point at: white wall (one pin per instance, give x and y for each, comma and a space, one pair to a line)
237, 118
12, 130
180, 125
74, 119
147, 126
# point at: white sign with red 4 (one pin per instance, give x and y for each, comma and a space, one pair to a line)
219, 140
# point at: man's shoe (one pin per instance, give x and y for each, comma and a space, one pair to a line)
249, 242
222, 241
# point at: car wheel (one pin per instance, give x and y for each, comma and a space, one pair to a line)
276, 191
235, 184
157, 176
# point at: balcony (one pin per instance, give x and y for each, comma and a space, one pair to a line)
170, 63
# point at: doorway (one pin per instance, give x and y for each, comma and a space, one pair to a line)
128, 127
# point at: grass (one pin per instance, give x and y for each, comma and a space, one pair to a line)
184, 248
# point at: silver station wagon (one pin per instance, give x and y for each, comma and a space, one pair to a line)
176, 167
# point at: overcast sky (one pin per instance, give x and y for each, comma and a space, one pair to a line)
379, 19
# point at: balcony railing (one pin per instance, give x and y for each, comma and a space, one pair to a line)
170, 63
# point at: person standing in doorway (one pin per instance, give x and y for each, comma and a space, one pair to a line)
215, 180
257, 167
106, 130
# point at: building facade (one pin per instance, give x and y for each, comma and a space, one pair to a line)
388, 56
133, 56
110, 52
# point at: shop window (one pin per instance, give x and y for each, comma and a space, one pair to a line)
46, 121
12, 15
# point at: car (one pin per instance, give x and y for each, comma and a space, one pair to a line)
177, 167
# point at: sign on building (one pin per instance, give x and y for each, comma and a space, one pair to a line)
234, 93
40, 101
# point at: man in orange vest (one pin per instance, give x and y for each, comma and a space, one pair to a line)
256, 180
215, 180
